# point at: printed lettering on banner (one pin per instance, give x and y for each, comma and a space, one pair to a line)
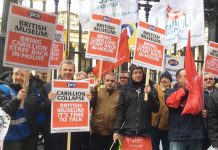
70, 107
211, 61
103, 38
29, 38
149, 50
57, 54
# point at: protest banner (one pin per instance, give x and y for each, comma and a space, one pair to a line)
178, 17
172, 64
103, 38
211, 59
149, 49
57, 54
29, 38
70, 107
126, 10
4, 125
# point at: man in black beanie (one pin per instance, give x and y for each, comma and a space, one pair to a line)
160, 119
166, 80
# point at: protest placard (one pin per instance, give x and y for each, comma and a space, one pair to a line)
4, 125
211, 60
29, 38
57, 54
103, 38
70, 107
149, 49
172, 64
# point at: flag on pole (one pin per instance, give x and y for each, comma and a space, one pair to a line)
194, 83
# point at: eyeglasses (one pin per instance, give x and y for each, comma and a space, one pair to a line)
205, 79
123, 78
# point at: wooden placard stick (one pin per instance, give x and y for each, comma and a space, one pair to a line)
68, 140
49, 75
25, 84
147, 83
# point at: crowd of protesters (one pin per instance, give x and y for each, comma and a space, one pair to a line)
120, 113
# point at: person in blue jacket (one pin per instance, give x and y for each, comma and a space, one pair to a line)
12, 96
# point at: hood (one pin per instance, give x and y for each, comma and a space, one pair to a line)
131, 82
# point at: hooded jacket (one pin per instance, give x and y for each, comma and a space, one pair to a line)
133, 112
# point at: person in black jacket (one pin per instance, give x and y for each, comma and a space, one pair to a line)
58, 141
213, 119
186, 132
133, 118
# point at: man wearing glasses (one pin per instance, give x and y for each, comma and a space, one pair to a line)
209, 86
123, 79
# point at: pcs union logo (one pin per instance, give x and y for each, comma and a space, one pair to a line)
71, 85
173, 62
34, 15
105, 18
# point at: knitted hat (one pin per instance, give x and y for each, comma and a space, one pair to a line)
167, 75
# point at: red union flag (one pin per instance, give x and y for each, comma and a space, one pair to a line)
178, 17
194, 84
211, 61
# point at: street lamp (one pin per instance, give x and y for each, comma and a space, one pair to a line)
147, 6
56, 6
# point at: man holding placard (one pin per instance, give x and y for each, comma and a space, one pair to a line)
133, 118
57, 141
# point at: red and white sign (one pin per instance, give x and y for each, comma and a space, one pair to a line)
211, 61
149, 49
29, 38
70, 107
103, 38
91, 82
57, 54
